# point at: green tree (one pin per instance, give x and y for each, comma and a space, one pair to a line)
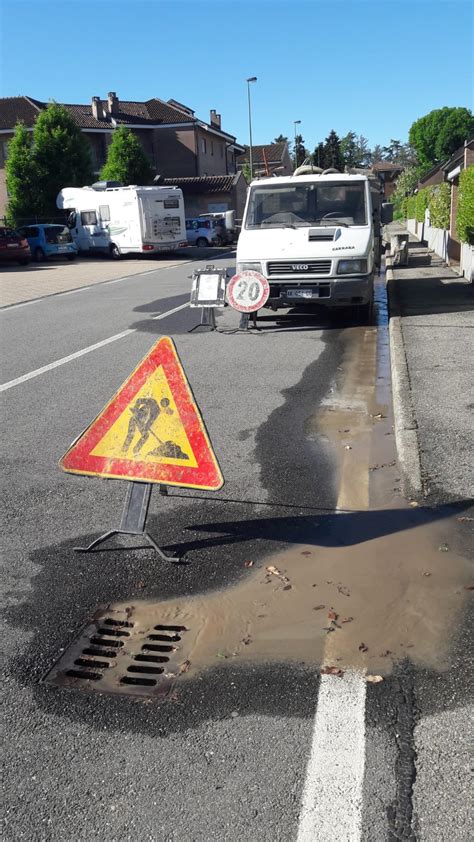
281, 139
393, 151
363, 151
300, 152
318, 155
126, 160
21, 177
350, 152
376, 154
332, 152
246, 172
465, 211
438, 134
61, 156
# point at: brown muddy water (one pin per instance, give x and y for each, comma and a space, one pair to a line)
384, 583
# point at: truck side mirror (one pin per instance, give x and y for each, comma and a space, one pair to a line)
386, 215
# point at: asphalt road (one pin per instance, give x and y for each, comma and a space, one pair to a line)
256, 745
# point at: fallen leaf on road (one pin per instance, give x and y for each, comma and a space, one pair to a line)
248, 563
246, 640
374, 679
332, 671
221, 655
414, 504
363, 648
469, 587
427, 573
332, 615
347, 620
275, 572
140, 585
328, 629
385, 654
184, 666
318, 607
378, 415
465, 517
287, 588
345, 591
306, 552
443, 548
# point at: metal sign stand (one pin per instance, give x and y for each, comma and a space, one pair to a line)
135, 510
244, 321
208, 319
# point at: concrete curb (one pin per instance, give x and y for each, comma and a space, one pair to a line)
405, 424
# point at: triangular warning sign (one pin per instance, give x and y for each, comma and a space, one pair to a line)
151, 430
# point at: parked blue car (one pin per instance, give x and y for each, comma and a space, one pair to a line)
47, 241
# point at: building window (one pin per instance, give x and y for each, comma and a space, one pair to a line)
203, 144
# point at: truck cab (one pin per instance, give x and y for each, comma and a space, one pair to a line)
316, 237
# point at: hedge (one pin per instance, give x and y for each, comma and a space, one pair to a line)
411, 207
440, 206
465, 212
421, 203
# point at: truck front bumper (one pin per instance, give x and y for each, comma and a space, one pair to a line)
330, 292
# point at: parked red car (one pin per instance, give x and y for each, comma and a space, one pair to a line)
14, 246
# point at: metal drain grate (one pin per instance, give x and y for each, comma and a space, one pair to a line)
124, 651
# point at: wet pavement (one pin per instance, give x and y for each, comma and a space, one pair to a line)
308, 557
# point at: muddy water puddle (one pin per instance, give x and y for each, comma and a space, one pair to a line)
381, 581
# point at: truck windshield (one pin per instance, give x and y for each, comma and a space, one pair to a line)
295, 205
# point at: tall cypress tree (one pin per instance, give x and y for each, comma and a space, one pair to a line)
21, 179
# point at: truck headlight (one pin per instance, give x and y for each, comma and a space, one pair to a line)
249, 267
351, 267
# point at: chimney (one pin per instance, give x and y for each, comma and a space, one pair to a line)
98, 111
215, 119
113, 102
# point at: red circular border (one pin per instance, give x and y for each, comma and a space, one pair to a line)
248, 273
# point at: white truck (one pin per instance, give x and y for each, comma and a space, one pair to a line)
316, 237
123, 220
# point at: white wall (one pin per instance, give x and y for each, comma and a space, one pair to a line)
467, 261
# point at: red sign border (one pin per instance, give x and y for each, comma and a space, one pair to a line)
233, 281
207, 475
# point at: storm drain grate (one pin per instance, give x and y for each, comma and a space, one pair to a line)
125, 649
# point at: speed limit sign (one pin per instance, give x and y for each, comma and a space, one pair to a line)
248, 291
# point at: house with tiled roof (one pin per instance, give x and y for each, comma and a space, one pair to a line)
267, 159
176, 142
388, 174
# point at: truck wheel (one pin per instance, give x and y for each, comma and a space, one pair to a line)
201, 242
115, 252
39, 255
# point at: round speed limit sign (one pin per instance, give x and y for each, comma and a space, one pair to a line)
248, 291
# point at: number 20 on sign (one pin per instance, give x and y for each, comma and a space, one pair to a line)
248, 291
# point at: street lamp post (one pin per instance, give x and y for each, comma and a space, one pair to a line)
250, 79
296, 123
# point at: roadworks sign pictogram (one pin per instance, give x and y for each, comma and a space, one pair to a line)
151, 430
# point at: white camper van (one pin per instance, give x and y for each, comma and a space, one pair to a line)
122, 220
315, 236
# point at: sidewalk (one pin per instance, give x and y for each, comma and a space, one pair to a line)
431, 345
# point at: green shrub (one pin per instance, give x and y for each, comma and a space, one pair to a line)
421, 204
440, 206
465, 212
411, 207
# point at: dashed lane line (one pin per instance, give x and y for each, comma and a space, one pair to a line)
332, 800
38, 371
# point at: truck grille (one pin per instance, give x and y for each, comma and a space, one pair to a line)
296, 267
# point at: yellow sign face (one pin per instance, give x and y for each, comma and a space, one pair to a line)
149, 429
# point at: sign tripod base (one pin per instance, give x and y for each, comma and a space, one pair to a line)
208, 319
135, 510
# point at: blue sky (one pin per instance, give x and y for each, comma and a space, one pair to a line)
370, 67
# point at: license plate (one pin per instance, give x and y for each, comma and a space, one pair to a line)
63, 248
302, 293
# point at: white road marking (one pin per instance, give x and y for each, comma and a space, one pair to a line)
36, 373
331, 809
